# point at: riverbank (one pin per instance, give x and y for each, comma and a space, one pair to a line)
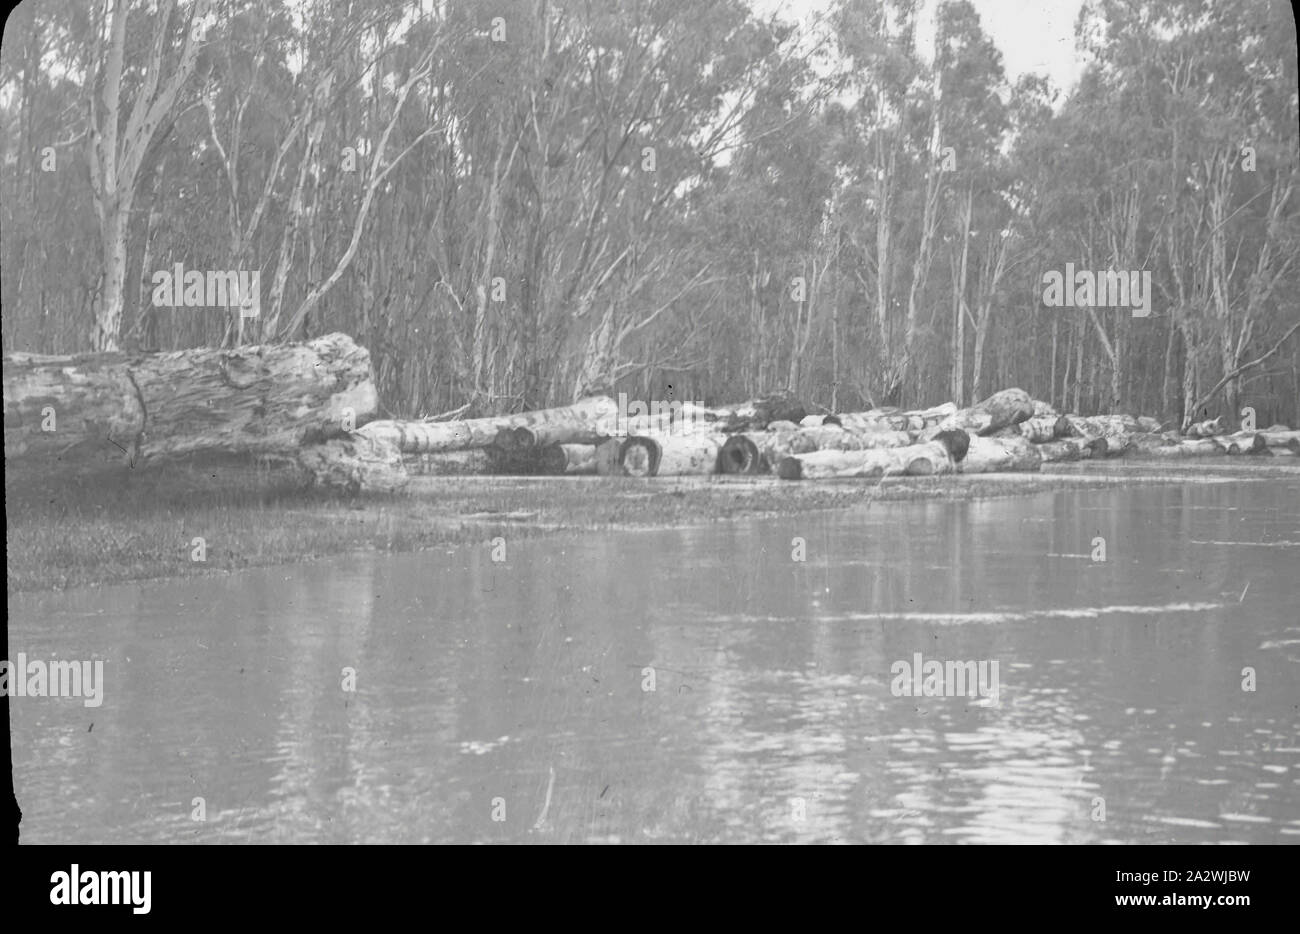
142, 525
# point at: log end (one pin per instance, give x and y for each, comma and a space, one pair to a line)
956, 441
790, 468
355, 464
639, 457
919, 467
552, 460
738, 455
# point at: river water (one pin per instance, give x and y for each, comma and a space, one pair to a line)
703, 685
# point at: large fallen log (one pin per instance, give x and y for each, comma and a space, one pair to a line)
583, 422
670, 455
432, 437
998, 455
998, 411
759, 452
98, 410
933, 457
1043, 428
825, 465
892, 420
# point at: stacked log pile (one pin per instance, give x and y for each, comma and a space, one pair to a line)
311, 407
1008, 431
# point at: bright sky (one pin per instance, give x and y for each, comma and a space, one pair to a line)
1033, 35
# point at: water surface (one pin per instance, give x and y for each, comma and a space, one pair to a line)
511, 701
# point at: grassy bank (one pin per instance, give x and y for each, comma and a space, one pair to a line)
140, 525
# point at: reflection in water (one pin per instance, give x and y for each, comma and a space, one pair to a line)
700, 685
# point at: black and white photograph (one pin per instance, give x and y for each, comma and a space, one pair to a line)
688, 422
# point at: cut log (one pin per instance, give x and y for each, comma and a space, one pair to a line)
1190, 447
1144, 444
1105, 425
836, 438
997, 455
1040, 429
560, 459
1066, 449
927, 458
96, 410
1280, 438
581, 423
774, 446
824, 465
892, 420
355, 464
1206, 429
431, 437
933, 457
670, 455
1243, 442
998, 411
690, 418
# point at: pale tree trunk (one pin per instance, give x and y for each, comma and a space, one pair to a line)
959, 309
293, 220
116, 153
489, 236
921, 261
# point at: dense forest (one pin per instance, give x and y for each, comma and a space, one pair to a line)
513, 204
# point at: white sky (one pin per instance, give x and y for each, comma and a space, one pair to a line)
1033, 35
